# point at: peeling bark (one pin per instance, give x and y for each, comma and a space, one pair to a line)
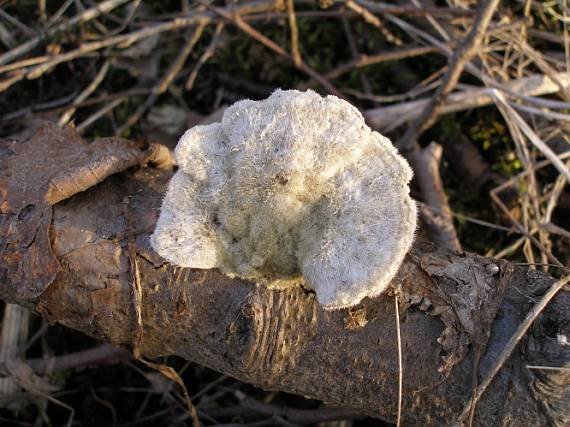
35, 174
451, 304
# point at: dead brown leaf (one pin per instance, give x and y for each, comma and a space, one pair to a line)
35, 174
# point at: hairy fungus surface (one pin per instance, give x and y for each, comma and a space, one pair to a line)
293, 187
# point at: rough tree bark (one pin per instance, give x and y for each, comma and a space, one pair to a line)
76, 220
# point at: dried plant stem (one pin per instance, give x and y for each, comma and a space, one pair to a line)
554, 196
98, 114
206, 55
374, 21
424, 86
16, 23
389, 8
554, 229
66, 116
23, 63
177, 65
172, 375
494, 194
136, 290
364, 60
124, 40
167, 79
520, 228
509, 249
364, 82
429, 211
294, 415
58, 13
87, 15
465, 51
42, 10
13, 337
549, 368
433, 22
103, 354
400, 365
295, 53
546, 68
531, 135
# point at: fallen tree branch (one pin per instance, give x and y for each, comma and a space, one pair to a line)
388, 118
282, 339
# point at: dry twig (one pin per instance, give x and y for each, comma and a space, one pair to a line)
86, 16
464, 52
295, 53
167, 79
374, 21
68, 114
206, 55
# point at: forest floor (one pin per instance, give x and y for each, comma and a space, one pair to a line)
491, 113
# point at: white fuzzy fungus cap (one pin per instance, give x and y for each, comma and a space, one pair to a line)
294, 185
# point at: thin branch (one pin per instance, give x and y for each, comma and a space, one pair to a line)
555, 229
87, 15
15, 328
365, 60
295, 53
23, 28
304, 416
206, 55
389, 8
167, 79
82, 127
24, 63
66, 116
364, 82
466, 50
103, 354
375, 22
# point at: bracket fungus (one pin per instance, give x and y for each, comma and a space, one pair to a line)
295, 188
